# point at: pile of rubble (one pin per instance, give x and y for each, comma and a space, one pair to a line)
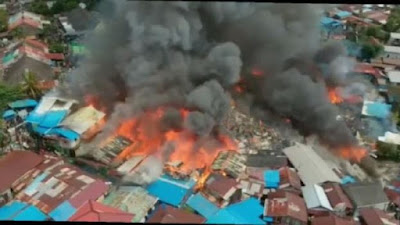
251, 134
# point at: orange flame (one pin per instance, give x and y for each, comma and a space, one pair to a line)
92, 100
239, 89
334, 96
149, 138
203, 178
353, 153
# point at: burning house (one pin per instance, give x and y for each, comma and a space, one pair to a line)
109, 152
230, 163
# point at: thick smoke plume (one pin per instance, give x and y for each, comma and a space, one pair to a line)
189, 54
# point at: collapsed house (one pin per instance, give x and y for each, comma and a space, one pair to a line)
230, 163
109, 152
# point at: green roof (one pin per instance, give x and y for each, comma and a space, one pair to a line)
78, 49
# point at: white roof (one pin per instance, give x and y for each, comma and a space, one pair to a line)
127, 166
365, 106
54, 103
391, 138
392, 49
83, 119
394, 76
315, 197
395, 35
312, 169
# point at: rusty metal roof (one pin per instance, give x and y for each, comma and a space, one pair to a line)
285, 204
14, 165
169, 214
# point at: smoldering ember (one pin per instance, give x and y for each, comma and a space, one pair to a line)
200, 112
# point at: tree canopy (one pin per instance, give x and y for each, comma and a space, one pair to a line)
9, 93
393, 22
388, 151
3, 20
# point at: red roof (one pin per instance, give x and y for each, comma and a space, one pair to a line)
393, 196
14, 165
46, 85
377, 16
37, 44
375, 216
93, 211
331, 220
93, 192
357, 20
55, 56
366, 68
285, 204
336, 195
220, 184
290, 177
169, 214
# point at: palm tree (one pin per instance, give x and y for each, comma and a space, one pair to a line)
30, 85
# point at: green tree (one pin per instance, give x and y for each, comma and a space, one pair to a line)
18, 33
4, 135
393, 22
3, 20
30, 85
369, 50
9, 93
57, 48
40, 7
64, 6
388, 151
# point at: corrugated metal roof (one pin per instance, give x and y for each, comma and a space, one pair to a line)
202, 205
272, 178
336, 196
30, 214
66, 133
285, 204
63, 212
169, 190
376, 109
9, 114
245, 212
169, 214
53, 118
315, 197
392, 49
14, 165
135, 200
26, 103
312, 169
83, 119
93, 211
394, 76
11, 209
366, 194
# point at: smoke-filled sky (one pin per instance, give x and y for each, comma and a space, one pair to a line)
191, 54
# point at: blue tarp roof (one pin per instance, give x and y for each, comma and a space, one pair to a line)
26, 103
272, 178
19, 211
343, 14
202, 205
246, 212
31, 214
63, 212
377, 109
9, 114
327, 22
169, 190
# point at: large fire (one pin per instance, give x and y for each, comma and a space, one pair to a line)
150, 138
334, 96
353, 153
92, 100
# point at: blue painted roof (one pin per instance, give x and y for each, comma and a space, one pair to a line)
348, 179
34, 117
10, 210
343, 14
63, 212
326, 20
26, 103
31, 214
272, 178
245, 212
53, 118
20, 211
202, 205
9, 114
169, 190
379, 110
